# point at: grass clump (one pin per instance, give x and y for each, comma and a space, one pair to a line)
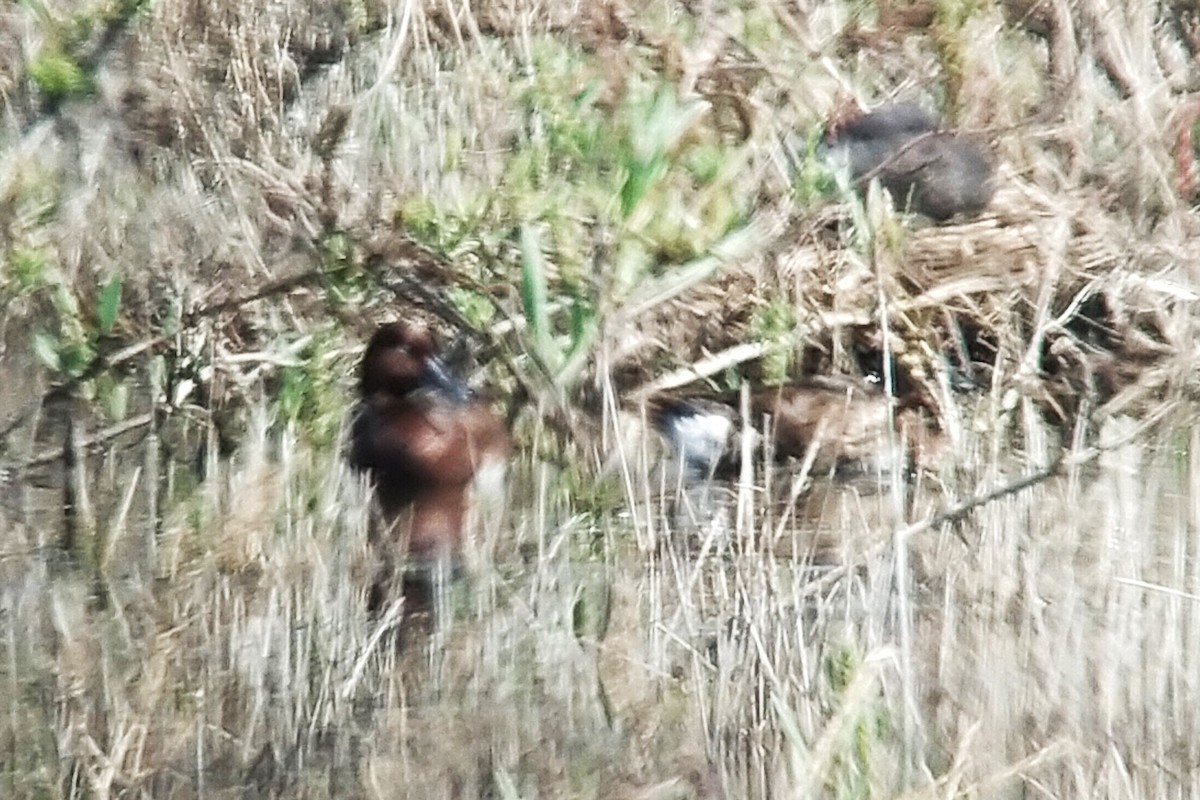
310, 396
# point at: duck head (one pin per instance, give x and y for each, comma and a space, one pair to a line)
401, 358
893, 121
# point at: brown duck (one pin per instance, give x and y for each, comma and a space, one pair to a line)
846, 421
425, 440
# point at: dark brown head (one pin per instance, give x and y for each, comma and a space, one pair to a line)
401, 358
896, 121
866, 141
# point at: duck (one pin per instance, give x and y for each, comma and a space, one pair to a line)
841, 424
855, 463
426, 442
925, 168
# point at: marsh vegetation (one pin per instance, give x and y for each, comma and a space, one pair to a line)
206, 208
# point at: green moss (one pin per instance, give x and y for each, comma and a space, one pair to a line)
705, 162
840, 666
772, 322
953, 47
476, 308
27, 268
59, 76
419, 217
812, 183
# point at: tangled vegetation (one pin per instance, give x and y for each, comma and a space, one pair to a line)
205, 208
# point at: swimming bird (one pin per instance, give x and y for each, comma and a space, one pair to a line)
426, 441
842, 424
935, 172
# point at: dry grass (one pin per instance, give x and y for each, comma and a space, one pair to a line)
264, 183
619, 653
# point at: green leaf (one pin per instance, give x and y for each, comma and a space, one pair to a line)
583, 336
65, 303
75, 357
116, 401
640, 177
45, 347
583, 318
109, 302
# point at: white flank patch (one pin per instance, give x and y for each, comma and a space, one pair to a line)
701, 438
489, 479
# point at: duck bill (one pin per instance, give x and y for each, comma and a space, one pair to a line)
437, 376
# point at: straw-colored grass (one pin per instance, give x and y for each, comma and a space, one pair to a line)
205, 209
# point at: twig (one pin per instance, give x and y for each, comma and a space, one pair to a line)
269, 289
103, 361
960, 511
1062, 462
93, 440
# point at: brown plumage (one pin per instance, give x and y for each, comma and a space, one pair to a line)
424, 439
846, 421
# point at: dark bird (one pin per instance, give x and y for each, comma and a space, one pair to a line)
425, 440
934, 172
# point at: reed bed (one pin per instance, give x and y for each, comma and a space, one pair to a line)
205, 209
